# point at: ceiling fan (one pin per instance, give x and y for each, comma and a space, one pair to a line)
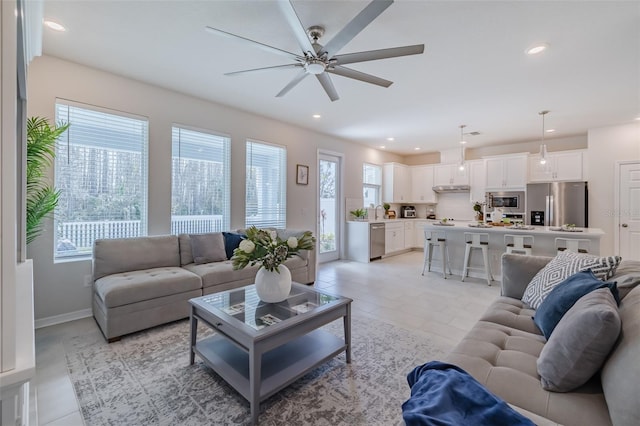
320, 60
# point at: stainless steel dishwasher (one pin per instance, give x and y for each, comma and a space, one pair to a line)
376, 240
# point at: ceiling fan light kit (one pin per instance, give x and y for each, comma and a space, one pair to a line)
320, 60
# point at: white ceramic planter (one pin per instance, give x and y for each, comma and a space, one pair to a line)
273, 287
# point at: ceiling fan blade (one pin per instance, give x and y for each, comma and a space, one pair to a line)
357, 24
297, 79
373, 55
328, 87
254, 43
234, 73
296, 26
357, 75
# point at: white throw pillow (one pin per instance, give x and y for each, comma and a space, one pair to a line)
565, 264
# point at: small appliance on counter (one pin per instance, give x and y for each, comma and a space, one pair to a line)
431, 213
408, 212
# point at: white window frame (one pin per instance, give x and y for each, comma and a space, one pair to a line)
86, 252
211, 224
276, 204
377, 187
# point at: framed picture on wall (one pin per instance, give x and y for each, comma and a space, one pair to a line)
302, 174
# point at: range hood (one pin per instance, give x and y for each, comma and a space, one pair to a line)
451, 188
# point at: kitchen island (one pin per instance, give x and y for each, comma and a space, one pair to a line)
544, 243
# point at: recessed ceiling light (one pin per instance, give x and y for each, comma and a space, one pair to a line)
463, 142
637, 118
417, 148
382, 147
391, 139
550, 130
316, 116
54, 25
537, 48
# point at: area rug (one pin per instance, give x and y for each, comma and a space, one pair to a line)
146, 379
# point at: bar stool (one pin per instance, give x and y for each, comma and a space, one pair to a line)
519, 244
433, 239
577, 245
477, 241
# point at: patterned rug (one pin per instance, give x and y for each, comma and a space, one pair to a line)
146, 379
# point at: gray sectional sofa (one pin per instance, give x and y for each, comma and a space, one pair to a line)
502, 349
147, 281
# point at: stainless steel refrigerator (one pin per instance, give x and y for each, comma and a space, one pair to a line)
557, 204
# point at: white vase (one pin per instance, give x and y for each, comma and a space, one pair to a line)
273, 287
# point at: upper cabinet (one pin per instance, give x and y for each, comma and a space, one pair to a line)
560, 166
450, 174
422, 185
396, 183
477, 180
506, 172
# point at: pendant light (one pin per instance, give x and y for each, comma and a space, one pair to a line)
462, 142
543, 146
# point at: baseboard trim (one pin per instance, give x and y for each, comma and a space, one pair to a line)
59, 319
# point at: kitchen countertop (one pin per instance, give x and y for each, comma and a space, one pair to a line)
537, 230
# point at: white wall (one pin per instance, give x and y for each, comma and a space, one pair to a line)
607, 145
59, 286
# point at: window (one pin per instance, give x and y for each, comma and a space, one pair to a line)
266, 192
200, 182
371, 183
101, 172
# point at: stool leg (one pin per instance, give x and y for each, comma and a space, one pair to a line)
426, 253
487, 267
467, 255
448, 260
430, 255
444, 262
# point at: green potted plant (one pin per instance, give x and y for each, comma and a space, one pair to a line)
359, 214
42, 197
477, 207
386, 207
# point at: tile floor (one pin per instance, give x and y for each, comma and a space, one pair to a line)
391, 290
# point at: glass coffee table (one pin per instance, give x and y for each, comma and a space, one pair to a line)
259, 348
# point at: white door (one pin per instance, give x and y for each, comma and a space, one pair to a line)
629, 211
329, 240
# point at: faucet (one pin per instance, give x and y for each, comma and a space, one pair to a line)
376, 211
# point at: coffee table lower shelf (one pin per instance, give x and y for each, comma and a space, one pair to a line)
280, 366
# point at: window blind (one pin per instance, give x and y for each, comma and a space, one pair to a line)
266, 186
200, 188
101, 172
371, 184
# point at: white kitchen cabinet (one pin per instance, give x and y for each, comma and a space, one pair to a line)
506, 172
422, 185
418, 233
396, 183
561, 166
477, 180
394, 237
409, 235
450, 174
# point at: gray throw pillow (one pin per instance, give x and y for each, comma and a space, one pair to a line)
561, 267
208, 247
580, 343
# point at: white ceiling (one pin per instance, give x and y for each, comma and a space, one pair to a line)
474, 70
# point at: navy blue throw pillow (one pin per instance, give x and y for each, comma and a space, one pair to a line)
565, 295
231, 242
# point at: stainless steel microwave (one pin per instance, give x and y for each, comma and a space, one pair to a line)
511, 201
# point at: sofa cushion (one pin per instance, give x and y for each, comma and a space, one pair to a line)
512, 313
565, 264
580, 343
627, 276
621, 371
112, 256
135, 286
232, 242
207, 247
563, 297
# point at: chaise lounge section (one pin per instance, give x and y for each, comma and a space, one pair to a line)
143, 282
502, 350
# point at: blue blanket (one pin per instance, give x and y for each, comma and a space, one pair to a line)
443, 394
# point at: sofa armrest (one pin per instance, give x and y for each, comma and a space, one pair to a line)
517, 272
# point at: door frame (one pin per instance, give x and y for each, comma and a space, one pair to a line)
616, 203
340, 217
